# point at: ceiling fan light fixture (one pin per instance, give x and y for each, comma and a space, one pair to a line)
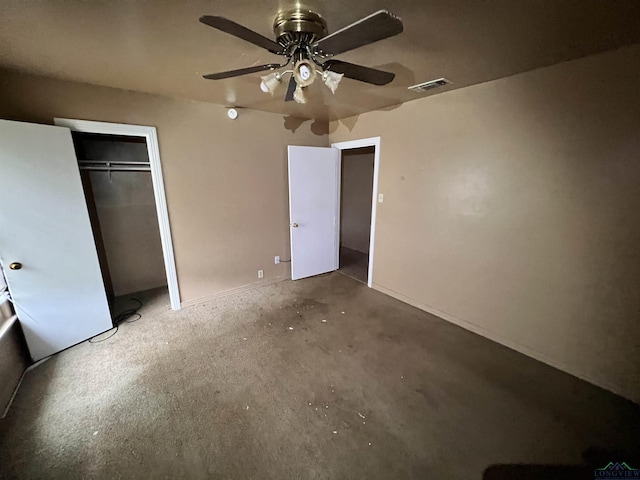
270, 82
298, 95
332, 79
304, 72
301, 36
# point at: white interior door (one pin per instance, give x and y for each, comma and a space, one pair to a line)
313, 210
58, 292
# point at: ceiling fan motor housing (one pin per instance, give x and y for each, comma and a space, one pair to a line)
292, 27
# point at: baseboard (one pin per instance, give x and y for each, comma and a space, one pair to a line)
15, 390
525, 350
231, 291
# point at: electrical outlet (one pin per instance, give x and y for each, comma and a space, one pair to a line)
277, 259
260, 273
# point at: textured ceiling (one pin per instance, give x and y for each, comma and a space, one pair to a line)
160, 47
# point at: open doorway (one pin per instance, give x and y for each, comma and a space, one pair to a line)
356, 192
361, 200
116, 177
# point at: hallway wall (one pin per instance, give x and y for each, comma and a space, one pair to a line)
355, 202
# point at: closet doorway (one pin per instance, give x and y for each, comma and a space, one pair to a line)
122, 180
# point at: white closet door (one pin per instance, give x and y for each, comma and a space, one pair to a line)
46, 242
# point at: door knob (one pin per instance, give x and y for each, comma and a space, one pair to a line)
15, 266
295, 225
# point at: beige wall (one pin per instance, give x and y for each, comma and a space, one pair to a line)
355, 202
226, 181
512, 209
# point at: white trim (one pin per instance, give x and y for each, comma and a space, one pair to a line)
365, 142
151, 137
290, 216
337, 218
15, 390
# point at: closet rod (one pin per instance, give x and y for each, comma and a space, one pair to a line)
117, 169
109, 162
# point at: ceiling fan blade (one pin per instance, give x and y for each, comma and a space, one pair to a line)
237, 30
241, 71
377, 26
290, 89
358, 72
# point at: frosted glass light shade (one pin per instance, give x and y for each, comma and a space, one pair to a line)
270, 82
298, 95
332, 79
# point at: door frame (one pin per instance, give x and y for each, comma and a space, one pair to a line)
153, 150
365, 142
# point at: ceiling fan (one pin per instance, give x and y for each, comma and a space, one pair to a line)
301, 37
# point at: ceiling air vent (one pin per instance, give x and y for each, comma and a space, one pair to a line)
431, 84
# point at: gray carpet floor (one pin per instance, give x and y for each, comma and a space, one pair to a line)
258, 385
